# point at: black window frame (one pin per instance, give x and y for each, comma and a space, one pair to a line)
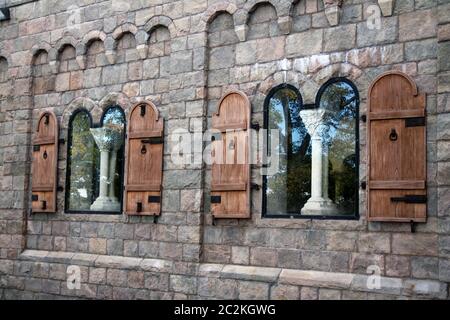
69, 159
356, 215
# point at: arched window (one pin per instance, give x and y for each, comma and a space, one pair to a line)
284, 185
339, 98
316, 157
95, 162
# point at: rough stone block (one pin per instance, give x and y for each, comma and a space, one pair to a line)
329, 294
340, 38
183, 284
284, 292
415, 244
305, 43
249, 290
417, 25
316, 279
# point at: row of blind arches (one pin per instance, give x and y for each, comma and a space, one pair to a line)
287, 191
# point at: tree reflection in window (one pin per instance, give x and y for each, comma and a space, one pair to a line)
84, 165
288, 190
339, 97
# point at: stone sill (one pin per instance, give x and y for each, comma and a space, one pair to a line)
427, 289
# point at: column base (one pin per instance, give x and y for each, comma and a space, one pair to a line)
106, 204
320, 207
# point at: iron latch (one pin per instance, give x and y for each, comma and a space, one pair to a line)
154, 199
216, 199
255, 126
410, 199
154, 140
415, 122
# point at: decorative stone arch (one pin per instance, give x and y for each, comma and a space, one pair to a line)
4, 68
59, 47
151, 25
157, 21
213, 11
242, 16
83, 45
279, 77
76, 104
251, 6
124, 28
90, 37
38, 49
347, 70
61, 44
114, 98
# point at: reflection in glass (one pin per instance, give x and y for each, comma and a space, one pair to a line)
318, 167
82, 164
340, 100
95, 162
289, 189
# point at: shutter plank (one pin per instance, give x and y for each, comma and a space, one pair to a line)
144, 161
230, 180
396, 167
45, 164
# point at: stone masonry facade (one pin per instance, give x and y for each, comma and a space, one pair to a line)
183, 55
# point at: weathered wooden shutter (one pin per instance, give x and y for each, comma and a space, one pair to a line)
144, 161
230, 186
397, 150
45, 164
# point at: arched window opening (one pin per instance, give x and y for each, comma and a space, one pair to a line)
339, 100
317, 154
286, 191
95, 162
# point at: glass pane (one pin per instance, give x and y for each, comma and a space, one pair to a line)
288, 189
82, 165
340, 102
114, 126
96, 163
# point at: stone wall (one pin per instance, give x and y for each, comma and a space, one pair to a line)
182, 56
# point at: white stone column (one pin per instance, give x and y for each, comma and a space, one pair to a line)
316, 167
319, 203
104, 164
112, 173
108, 140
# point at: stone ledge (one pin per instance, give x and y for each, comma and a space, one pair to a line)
430, 289
250, 273
316, 279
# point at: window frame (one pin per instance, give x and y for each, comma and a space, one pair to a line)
356, 215
69, 160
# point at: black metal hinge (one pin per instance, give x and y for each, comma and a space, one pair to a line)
154, 199
410, 199
155, 140
415, 122
216, 199
255, 126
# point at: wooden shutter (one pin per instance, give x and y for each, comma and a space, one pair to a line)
45, 164
397, 150
230, 186
144, 161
